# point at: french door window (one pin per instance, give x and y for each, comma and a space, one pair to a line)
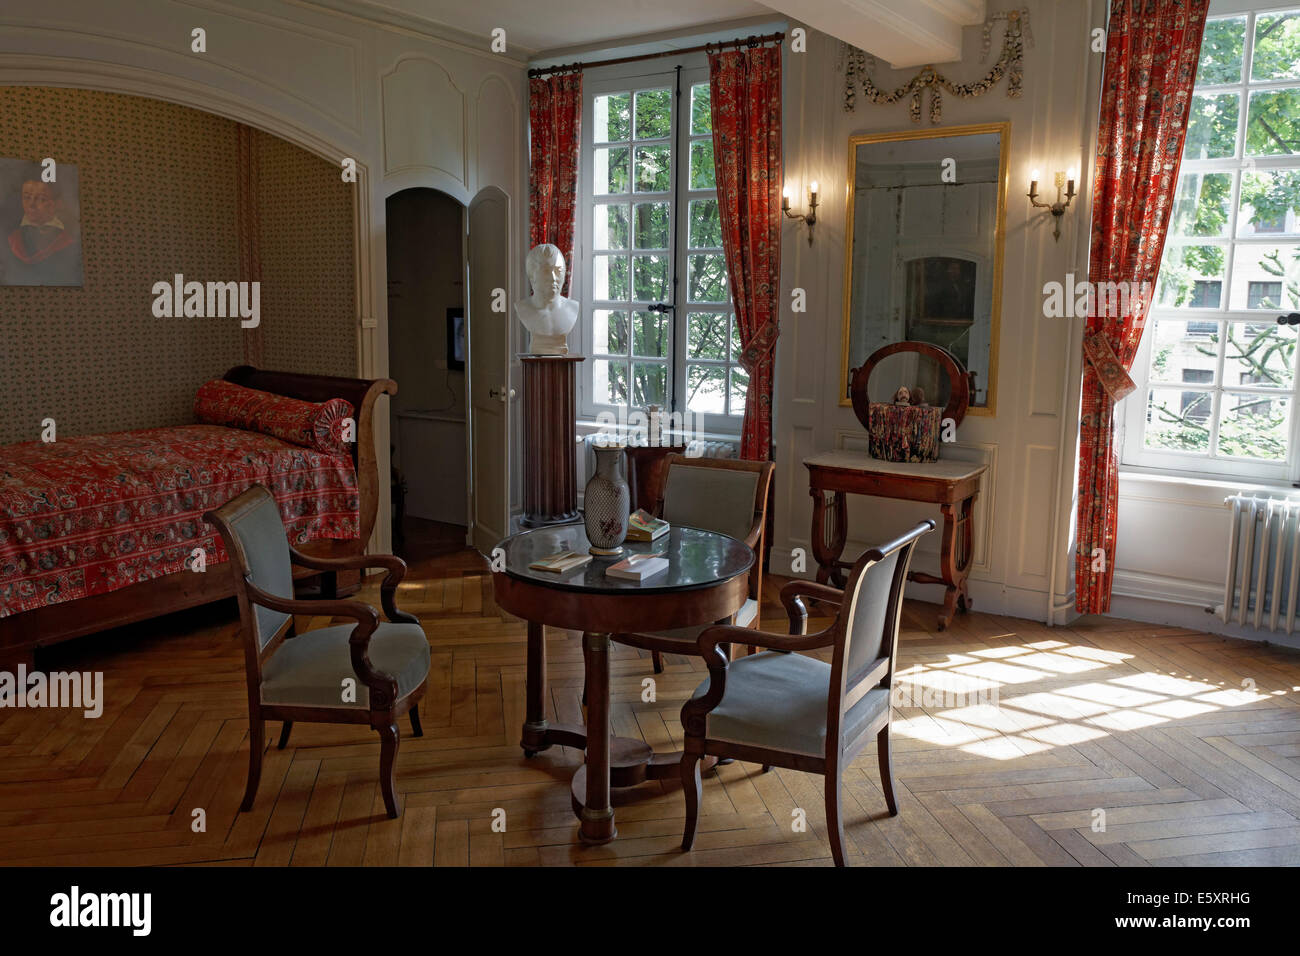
1216, 372
657, 322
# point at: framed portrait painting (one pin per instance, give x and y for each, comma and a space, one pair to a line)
40, 224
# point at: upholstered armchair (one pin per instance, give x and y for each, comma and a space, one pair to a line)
369, 672
791, 710
725, 495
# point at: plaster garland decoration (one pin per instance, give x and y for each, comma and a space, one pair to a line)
859, 65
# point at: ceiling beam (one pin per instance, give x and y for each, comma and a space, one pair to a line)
902, 33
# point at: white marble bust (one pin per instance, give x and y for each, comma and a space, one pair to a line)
547, 315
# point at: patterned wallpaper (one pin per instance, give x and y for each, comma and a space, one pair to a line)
159, 188
308, 272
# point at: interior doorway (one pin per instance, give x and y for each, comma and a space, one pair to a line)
427, 356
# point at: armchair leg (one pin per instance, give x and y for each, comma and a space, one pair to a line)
284, 735
416, 729
658, 660
886, 769
693, 790
256, 741
389, 738
834, 823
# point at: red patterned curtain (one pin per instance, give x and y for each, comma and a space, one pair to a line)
1152, 49
745, 91
554, 124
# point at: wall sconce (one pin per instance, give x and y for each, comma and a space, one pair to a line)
811, 217
1063, 180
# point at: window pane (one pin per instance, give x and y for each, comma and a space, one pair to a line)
649, 384
653, 169
702, 172
701, 114
1253, 426
706, 278
609, 380
1270, 202
1184, 351
609, 278
706, 335
650, 279
650, 334
706, 389
652, 222
1202, 204
609, 171
1277, 46
1260, 354
1177, 420
1186, 266
1273, 123
1212, 127
1221, 51
611, 122
1271, 272
706, 227
654, 114
609, 332
736, 344
739, 385
609, 227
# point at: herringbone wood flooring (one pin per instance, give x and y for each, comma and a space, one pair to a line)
1189, 744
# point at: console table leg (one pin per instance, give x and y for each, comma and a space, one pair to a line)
533, 738
597, 815
829, 536
955, 558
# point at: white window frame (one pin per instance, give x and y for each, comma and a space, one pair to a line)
630, 78
1133, 455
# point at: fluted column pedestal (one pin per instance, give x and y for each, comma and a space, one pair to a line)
550, 450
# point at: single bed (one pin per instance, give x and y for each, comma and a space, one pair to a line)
99, 531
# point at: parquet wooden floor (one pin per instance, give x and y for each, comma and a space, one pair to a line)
1107, 743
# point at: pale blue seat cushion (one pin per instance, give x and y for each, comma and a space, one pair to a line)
778, 701
308, 670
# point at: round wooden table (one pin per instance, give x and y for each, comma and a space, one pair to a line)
706, 582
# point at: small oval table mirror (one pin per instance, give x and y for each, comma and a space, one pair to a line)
911, 365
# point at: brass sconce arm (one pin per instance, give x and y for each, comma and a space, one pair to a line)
811, 217
1065, 193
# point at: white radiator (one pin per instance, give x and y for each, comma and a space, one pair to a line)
1263, 573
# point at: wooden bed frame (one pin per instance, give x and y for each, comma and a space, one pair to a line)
21, 634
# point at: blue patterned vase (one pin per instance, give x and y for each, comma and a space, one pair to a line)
605, 502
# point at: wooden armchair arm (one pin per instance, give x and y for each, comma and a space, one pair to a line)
395, 566
383, 687
755, 533
792, 599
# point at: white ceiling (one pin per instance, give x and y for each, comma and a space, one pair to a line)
535, 26
902, 33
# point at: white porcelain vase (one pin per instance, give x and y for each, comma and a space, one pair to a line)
606, 503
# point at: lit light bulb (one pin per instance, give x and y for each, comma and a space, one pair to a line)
1069, 173
813, 187
1036, 175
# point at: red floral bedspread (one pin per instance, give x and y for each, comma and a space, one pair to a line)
89, 515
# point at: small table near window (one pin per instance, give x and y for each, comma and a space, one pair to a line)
953, 485
706, 582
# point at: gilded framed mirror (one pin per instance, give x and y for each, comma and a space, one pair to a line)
924, 248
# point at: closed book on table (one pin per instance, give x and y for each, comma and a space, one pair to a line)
637, 568
643, 526
559, 563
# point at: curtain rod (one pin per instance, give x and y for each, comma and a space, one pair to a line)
703, 47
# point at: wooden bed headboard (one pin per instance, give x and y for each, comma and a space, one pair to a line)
361, 392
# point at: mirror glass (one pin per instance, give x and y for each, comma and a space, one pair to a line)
912, 370
924, 256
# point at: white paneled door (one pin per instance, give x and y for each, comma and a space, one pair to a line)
487, 248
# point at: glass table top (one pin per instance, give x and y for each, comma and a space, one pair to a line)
695, 559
